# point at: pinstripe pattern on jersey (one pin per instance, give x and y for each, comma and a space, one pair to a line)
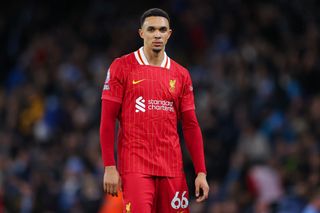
148, 141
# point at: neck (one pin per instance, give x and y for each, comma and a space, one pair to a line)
154, 58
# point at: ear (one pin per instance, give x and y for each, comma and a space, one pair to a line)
170, 32
141, 33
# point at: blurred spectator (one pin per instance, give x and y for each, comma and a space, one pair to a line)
253, 145
255, 66
265, 185
313, 205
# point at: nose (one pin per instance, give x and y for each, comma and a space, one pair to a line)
157, 34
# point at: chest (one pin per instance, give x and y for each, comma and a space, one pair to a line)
154, 83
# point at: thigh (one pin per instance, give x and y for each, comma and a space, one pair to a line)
172, 195
138, 193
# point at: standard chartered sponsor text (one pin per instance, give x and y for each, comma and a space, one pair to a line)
160, 105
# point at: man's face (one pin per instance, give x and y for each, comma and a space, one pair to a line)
155, 32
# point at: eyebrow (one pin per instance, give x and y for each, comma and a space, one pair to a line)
160, 28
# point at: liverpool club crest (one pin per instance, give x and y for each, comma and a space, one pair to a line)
172, 84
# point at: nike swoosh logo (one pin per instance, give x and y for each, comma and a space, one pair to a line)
137, 82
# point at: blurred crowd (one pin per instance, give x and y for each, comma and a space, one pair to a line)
255, 69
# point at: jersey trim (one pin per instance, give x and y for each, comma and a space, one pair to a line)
142, 60
111, 98
138, 57
188, 108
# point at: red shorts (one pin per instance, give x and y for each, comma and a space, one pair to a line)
146, 194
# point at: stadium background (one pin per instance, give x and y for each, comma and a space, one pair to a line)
255, 68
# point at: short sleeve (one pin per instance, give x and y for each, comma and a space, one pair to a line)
114, 84
187, 99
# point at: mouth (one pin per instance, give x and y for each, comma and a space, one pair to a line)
157, 43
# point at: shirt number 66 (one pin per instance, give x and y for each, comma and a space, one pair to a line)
176, 202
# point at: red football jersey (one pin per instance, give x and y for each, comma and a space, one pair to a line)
152, 99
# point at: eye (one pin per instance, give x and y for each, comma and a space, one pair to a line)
151, 29
163, 29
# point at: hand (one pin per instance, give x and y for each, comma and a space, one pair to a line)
111, 180
201, 184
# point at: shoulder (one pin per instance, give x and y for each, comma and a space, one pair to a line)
178, 68
125, 61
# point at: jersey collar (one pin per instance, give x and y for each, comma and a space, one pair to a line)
142, 60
